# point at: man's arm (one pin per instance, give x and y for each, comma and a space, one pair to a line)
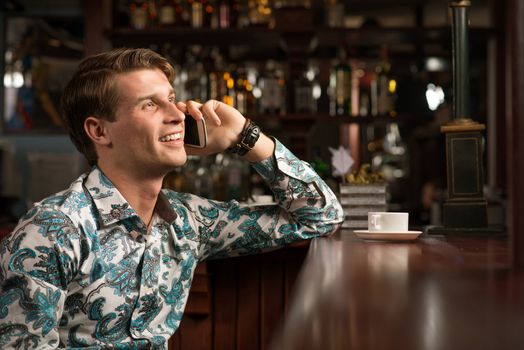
224, 127
306, 208
32, 282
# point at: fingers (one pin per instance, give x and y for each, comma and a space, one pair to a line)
181, 106
198, 110
210, 109
214, 111
193, 108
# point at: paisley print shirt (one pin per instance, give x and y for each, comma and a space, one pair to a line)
81, 270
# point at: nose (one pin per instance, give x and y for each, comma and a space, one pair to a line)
173, 114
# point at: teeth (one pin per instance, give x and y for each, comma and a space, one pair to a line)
171, 137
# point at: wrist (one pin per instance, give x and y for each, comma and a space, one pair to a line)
264, 148
247, 139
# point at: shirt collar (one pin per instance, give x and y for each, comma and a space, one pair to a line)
164, 209
112, 207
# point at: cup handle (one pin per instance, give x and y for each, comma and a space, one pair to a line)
375, 222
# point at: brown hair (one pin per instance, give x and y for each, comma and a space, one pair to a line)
92, 90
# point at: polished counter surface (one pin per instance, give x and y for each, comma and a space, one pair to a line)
437, 292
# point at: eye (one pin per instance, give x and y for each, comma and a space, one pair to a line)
149, 105
171, 99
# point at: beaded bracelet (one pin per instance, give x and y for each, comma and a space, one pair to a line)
248, 137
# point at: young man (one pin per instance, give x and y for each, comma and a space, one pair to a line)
108, 263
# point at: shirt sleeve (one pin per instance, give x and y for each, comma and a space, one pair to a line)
306, 208
33, 281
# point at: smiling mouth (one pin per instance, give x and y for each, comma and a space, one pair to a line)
171, 137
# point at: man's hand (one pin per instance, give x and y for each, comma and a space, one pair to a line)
224, 124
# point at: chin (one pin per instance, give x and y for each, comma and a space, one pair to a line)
179, 161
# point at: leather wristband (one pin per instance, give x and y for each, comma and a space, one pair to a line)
248, 138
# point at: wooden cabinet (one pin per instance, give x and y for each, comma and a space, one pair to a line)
244, 303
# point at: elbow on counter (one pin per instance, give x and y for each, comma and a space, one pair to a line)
334, 213
324, 220
337, 212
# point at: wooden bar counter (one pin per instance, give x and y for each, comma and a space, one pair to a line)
437, 292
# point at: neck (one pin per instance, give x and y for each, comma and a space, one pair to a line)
139, 190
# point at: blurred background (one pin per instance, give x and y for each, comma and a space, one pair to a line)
373, 76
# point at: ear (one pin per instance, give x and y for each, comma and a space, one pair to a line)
95, 128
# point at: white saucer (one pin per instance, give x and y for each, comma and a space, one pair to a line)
388, 235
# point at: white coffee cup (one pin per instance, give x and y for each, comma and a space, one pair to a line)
388, 221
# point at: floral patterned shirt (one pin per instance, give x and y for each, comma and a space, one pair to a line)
81, 269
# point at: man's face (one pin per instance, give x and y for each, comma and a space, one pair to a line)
148, 133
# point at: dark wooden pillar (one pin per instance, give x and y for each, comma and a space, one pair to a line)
515, 127
465, 210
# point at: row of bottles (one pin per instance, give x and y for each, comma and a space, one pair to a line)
140, 14
253, 88
356, 90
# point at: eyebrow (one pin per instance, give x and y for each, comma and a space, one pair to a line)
152, 96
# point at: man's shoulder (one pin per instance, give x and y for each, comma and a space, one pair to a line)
55, 219
178, 198
187, 200
69, 202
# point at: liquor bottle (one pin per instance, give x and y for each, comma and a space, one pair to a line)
356, 74
244, 99
209, 14
139, 14
234, 13
365, 81
224, 14
385, 85
152, 13
334, 10
182, 13
271, 83
304, 100
197, 13
166, 13
340, 81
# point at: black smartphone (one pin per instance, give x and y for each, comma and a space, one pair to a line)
195, 134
